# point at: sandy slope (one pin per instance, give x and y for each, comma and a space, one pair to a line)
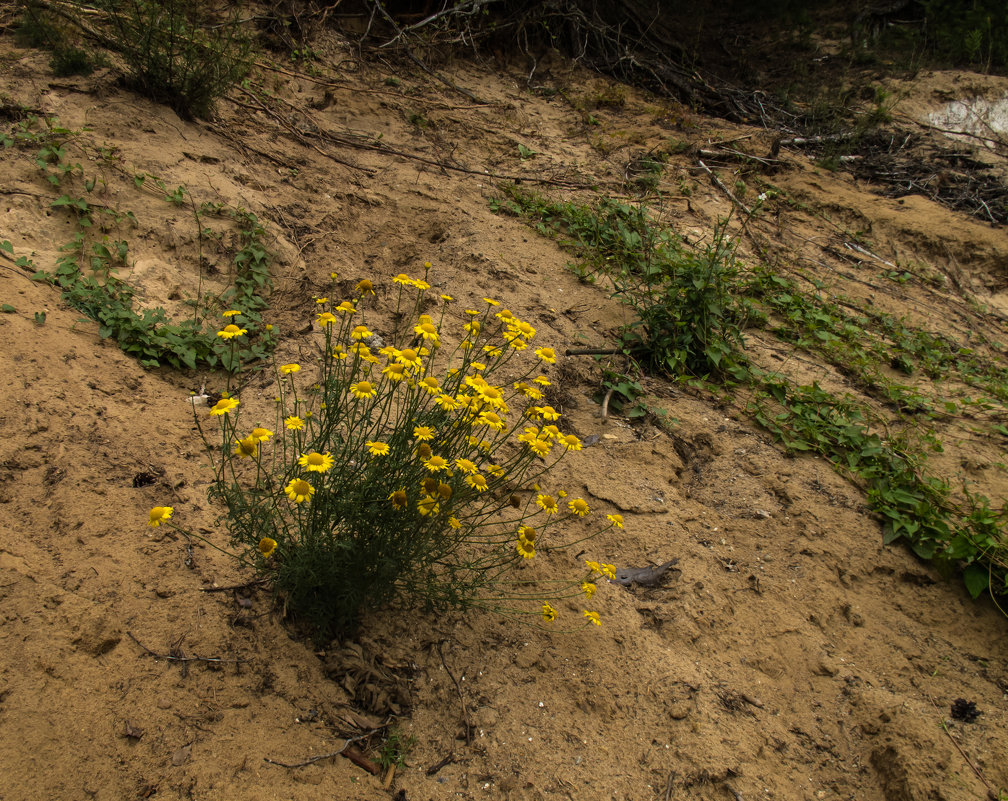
789, 656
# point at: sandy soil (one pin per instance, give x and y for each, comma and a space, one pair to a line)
789, 655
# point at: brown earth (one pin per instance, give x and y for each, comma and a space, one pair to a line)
789, 655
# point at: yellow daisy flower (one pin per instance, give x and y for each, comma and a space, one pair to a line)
570, 442
231, 331
248, 447
423, 451
398, 499
261, 434
477, 482
346, 307
428, 331
321, 300
447, 403
491, 420
436, 463
547, 413
360, 332
403, 279
326, 319
430, 385
363, 389
525, 548
447, 298
588, 588
395, 372
593, 617
527, 533
423, 433
616, 520
289, 369
546, 354
578, 507
231, 313
609, 571
410, 358
299, 490
491, 302
377, 448
595, 567
428, 506
548, 613
363, 287
224, 405
466, 466
294, 423
540, 447
316, 462
266, 546
547, 503
159, 515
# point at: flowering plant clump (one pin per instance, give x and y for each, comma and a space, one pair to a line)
410, 471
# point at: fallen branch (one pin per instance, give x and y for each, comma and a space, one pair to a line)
349, 750
180, 657
717, 182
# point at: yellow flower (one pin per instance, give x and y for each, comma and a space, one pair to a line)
398, 499
447, 298
224, 405
403, 279
377, 448
527, 533
423, 286
454, 522
525, 548
363, 389
364, 286
570, 442
394, 372
410, 358
595, 567
261, 434
159, 515
472, 327
491, 302
547, 503
266, 546
447, 402
423, 451
492, 396
346, 307
528, 391
609, 571
321, 300
231, 331
588, 588
430, 384
334, 275
444, 491
316, 462
546, 354
428, 506
523, 328
551, 432
269, 326
360, 332
428, 331
616, 520
231, 313
339, 353
578, 507
547, 413
326, 319
436, 463
593, 617
540, 447
466, 466
541, 380
495, 470
294, 423
491, 420
288, 369
423, 433
477, 482
548, 612
299, 490
248, 447
473, 312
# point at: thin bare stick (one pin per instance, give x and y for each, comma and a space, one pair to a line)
465, 710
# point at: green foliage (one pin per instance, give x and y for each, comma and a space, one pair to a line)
688, 320
175, 54
86, 270
38, 27
913, 506
974, 32
395, 748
